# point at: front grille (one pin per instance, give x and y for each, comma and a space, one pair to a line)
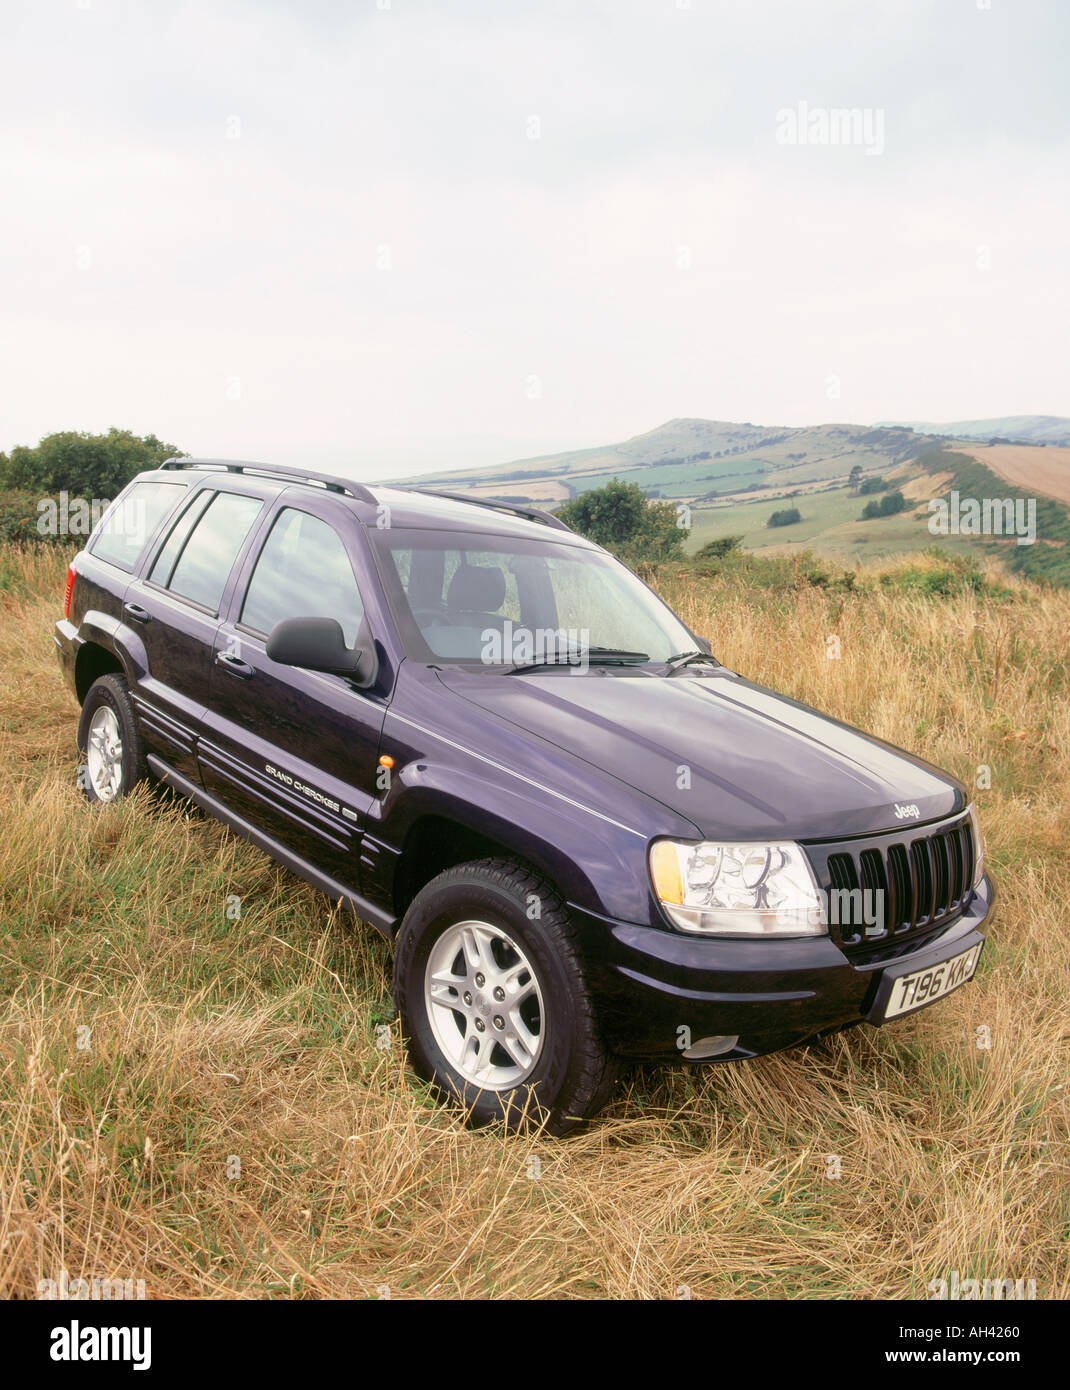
895, 885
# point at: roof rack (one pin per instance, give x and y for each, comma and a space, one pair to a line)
327, 481
496, 504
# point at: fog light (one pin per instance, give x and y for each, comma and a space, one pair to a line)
711, 1047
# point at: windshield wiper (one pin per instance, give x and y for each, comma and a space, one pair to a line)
592, 656
682, 659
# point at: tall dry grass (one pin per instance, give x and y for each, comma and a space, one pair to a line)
212, 1040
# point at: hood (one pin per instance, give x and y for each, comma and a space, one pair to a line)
732, 757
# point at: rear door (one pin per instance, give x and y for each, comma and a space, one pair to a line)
172, 613
295, 752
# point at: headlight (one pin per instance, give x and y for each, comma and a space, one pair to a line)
738, 889
978, 848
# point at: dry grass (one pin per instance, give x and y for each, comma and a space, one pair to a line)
211, 1039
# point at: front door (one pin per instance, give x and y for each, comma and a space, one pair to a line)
295, 752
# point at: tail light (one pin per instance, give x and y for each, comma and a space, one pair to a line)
67, 592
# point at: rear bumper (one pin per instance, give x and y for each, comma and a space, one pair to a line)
67, 642
650, 983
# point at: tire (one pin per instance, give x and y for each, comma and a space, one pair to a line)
110, 743
558, 1073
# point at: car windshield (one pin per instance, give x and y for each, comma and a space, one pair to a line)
499, 601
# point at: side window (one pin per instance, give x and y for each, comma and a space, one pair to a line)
125, 529
172, 548
303, 572
201, 570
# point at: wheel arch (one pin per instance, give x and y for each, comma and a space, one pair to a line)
435, 842
92, 662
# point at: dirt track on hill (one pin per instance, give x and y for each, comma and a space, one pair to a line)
1045, 471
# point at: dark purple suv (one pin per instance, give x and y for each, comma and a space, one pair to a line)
589, 840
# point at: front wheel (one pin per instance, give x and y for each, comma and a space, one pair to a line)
493, 1000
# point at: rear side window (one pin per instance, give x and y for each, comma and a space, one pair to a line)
201, 569
172, 548
303, 572
126, 528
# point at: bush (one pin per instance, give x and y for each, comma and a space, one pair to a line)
620, 517
873, 485
787, 517
889, 505
717, 549
774, 573
941, 573
19, 515
84, 465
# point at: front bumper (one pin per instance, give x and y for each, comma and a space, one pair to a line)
651, 983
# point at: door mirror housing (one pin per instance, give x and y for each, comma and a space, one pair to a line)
318, 644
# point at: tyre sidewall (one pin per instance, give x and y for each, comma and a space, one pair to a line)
110, 691
470, 895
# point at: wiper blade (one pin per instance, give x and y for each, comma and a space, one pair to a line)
593, 656
681, 659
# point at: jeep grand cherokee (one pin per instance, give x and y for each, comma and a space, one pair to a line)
588, 840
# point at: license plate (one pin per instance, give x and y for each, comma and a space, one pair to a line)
921, 987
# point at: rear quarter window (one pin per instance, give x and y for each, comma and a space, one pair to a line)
125, 529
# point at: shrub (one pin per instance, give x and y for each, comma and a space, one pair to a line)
18, 520
620, 517
938, 573
889, 505
717, 549
788, 516
85, 465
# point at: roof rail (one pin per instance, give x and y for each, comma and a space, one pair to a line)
328, 481
496, 504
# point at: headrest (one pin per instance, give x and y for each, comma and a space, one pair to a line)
477, 588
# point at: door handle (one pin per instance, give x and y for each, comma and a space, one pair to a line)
135, 611
235, 665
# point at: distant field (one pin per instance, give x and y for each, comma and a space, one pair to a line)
692, 458
830, 524
1045, 471
687, 481
683, 479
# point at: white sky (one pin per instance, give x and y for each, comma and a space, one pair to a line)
655, 252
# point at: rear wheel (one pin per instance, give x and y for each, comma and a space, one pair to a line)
109, 739
493, 1000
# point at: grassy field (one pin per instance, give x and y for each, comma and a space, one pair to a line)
830, 524
222, 1108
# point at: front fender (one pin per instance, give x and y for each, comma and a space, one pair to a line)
592, 860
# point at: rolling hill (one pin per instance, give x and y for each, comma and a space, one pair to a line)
693, 460
1015, 429
732, 476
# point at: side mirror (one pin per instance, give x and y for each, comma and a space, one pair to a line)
318, 644
703, 643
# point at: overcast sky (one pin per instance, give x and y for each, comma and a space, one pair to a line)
403, 234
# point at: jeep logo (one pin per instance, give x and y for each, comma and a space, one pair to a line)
903, 812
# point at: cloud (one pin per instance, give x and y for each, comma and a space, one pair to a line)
317, 230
